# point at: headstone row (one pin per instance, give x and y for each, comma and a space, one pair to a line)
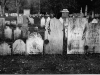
33, 45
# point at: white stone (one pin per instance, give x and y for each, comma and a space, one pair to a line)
19, 47
17, 33
94, 21
8, 32
5, 49
61, 20
34, 44
48, 19
55, 45
43, 21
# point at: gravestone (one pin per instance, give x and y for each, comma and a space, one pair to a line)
93, 37
27, 12
76, 32
43, 21
5, 49
8, 32
17, 33
20, 20
34, 44
19, 47
54, 34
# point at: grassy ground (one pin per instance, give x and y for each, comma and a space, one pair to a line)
50, 64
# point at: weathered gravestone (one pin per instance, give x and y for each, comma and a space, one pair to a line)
43, 21
19, 47
48, 19
34, 44
31, 20
17, 33
93, 36
8, 32
76, 33
20, 20
24, 30
5, 49
26, 12
24, 27
54, 34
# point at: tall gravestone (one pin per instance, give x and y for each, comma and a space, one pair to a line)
24, 27
27, 12
76, 34
93, 36
54, 33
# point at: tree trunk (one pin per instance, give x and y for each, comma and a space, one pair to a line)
17, 4
3, 10
18, 10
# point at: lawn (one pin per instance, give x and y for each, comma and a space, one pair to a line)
50, 64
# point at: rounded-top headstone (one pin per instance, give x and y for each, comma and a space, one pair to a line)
19, 47
34, 44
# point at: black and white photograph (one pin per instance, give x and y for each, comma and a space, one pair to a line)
49, 36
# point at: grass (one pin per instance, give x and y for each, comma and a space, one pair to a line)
50, 64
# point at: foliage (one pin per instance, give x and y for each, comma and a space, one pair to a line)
14, 5
43, 5
58, 5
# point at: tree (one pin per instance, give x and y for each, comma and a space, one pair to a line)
34, 6
13, 5
21, 4
96, 6
3, 5
58, 5
17, 5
